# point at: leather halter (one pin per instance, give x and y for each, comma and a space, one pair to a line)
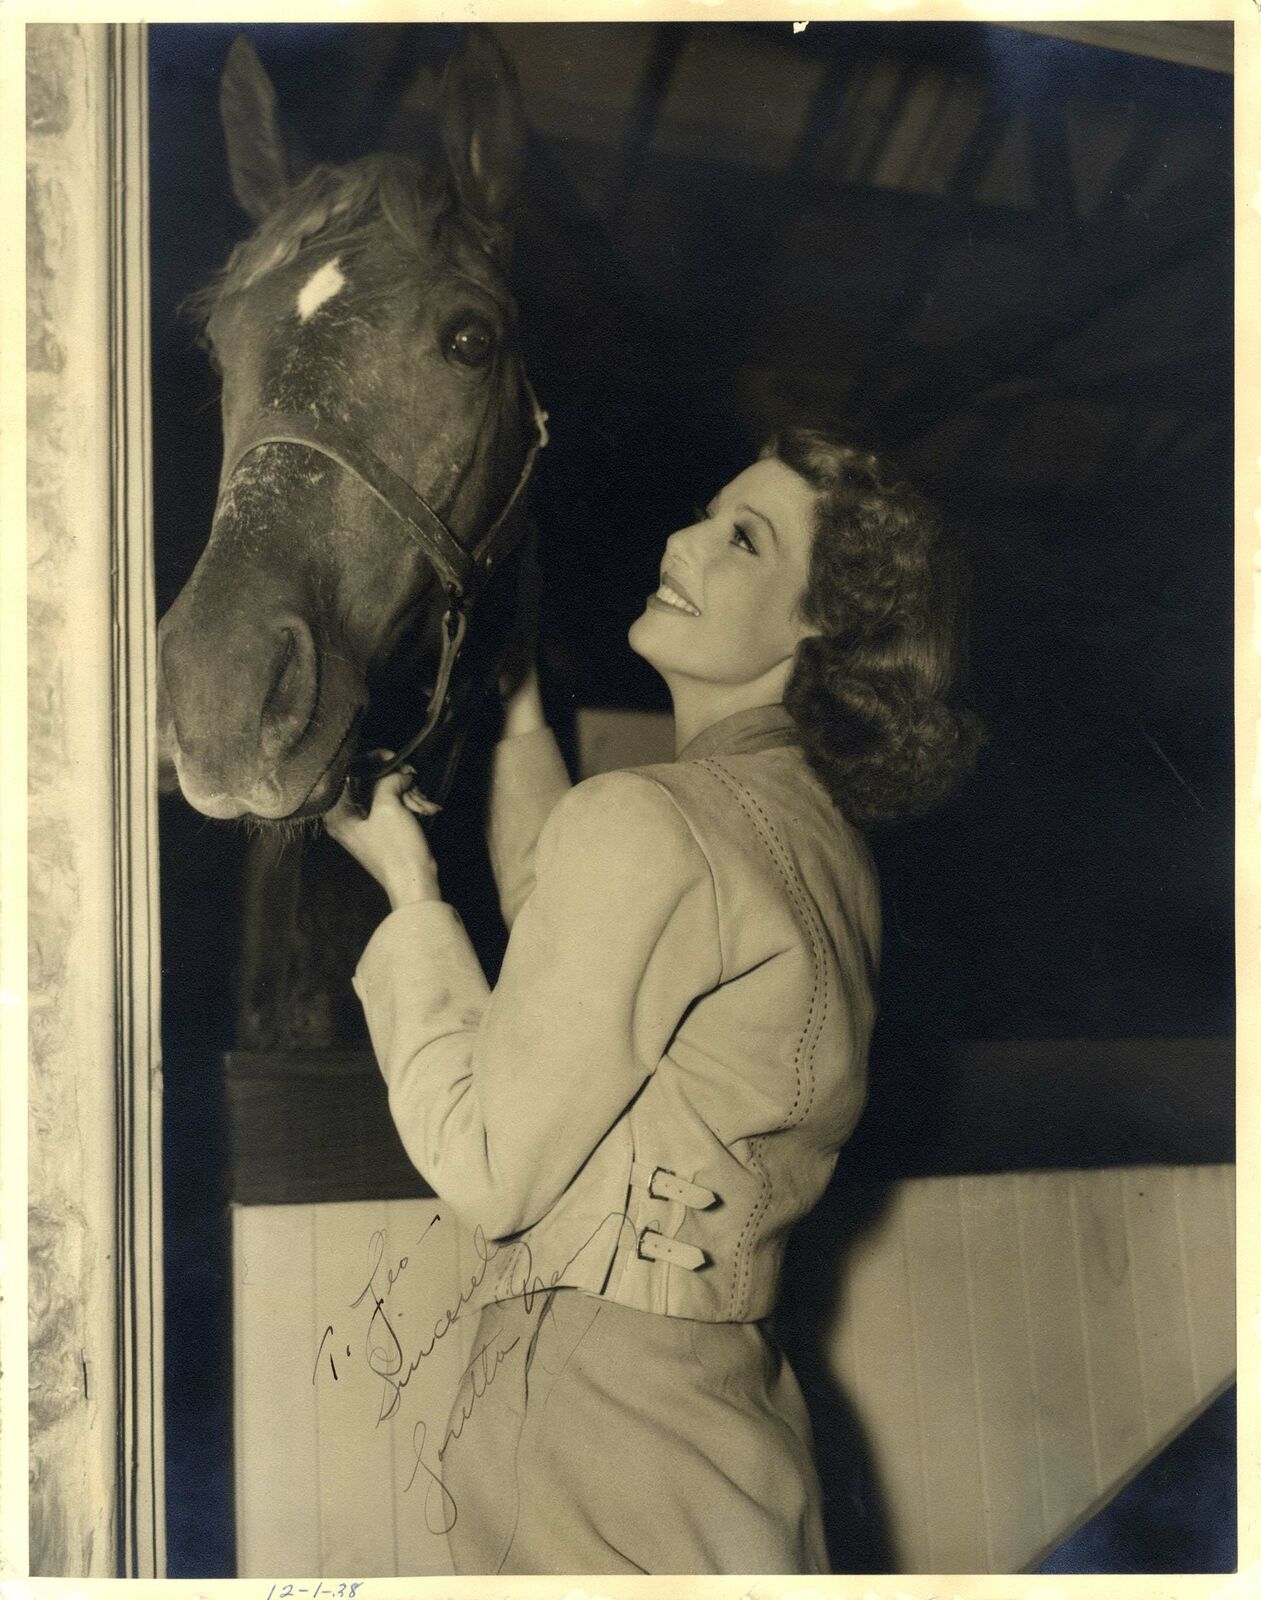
463, 571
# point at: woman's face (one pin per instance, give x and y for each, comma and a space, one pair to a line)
726, 611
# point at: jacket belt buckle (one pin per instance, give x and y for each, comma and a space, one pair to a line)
666, 1185
653, 1245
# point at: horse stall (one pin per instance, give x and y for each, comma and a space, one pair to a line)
1006, 253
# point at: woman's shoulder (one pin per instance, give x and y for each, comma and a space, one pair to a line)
766, 803
630, 811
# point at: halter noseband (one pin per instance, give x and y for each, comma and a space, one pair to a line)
464, 571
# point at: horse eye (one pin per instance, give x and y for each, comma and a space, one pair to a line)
472, 344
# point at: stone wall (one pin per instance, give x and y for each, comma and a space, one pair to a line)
72, 1139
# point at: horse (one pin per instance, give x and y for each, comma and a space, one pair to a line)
360, 584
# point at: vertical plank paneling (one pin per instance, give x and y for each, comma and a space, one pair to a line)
354, 1449
950, 1443
1205, 1203
274, 1319
1105, 1268
982, 1323
876, 1305
1065, 1437
1159, 1298
1013, 1498
425, 1234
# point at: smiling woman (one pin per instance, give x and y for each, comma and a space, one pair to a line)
693, 1037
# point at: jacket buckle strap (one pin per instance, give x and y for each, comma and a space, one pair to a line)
663, 1184
654, 1246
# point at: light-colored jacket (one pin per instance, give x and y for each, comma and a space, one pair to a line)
675, 1050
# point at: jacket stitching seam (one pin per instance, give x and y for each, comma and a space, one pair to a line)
763, 827
779, 855
743, 1249
741, 1264
810, 917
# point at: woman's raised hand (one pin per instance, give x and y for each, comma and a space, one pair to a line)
389, 842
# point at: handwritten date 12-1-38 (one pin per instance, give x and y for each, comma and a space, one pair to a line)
334, 1591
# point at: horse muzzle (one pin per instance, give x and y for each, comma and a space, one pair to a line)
256, 718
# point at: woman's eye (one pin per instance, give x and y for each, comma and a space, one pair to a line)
472, 344
741, 538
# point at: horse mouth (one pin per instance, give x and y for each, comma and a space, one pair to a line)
262, 805
329, 781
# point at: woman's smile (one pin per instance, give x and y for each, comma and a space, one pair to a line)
736, 574
672, 596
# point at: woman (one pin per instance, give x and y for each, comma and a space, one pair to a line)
658, 1085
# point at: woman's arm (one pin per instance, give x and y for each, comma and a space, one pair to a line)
527, 778
501, 1096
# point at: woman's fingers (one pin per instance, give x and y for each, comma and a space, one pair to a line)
392, 786
399, 785
420, 804
341, 816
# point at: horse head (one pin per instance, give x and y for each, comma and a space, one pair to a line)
376, 423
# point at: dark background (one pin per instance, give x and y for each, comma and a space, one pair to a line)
1005, 256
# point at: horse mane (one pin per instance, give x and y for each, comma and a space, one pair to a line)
333, 206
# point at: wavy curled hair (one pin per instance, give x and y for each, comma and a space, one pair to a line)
871, 692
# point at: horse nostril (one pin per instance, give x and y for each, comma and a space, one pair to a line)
289, 703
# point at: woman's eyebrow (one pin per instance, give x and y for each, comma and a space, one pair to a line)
761, 516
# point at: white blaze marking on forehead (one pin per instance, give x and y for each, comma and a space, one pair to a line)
320, 287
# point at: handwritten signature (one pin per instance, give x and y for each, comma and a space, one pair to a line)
441, 1511
395, 1367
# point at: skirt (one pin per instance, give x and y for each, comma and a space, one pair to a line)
591, 1437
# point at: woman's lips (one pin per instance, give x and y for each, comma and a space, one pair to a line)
672, 596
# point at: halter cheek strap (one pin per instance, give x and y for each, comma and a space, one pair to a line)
453, 562
464, 572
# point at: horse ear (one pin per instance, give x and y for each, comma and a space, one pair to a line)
258, 155
483, 129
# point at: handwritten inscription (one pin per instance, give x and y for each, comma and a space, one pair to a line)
395, 1360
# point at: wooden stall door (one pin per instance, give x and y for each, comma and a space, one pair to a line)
1016, 1347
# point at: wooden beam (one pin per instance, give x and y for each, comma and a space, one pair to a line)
1207, 45
667, 45
1014, 1105
315, 1125
312, 1125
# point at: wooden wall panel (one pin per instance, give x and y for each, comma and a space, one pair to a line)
1159, 1285
1205, 1198
993, 1336
354, 1450
876, 1315
336, 1395
945, 1378
276, 1439
1063, 1443
1109, 1324
1016, 1346
1011, 1504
